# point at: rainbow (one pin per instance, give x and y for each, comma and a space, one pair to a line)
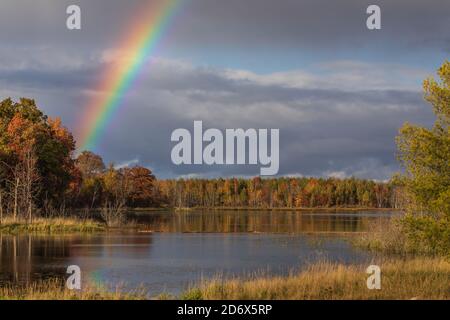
140, 42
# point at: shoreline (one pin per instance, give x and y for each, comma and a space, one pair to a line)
73, 224
300, 209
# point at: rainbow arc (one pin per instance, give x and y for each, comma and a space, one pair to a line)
139, 43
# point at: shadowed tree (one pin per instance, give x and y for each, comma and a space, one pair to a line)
142, 182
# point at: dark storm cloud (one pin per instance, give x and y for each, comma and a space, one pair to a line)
234, 24
315, 23
53, 80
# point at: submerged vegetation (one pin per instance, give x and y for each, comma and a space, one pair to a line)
401, 279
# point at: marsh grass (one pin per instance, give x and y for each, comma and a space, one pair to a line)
53, 225
54, 289
407, 235
401, 279
385, 236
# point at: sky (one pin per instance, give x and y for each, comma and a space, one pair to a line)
337, 91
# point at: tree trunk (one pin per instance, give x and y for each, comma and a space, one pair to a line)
16, 189
1, 208
30, 217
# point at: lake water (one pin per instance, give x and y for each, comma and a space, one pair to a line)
174, 250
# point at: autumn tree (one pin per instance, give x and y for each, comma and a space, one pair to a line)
90, 168
30, 139
142, 192
89, 164
118, 187
23, 178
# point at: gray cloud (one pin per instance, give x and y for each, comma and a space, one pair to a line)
336, 116
324, 131
233, 24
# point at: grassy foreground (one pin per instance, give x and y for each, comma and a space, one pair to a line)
55, 290
55, 225
418, 278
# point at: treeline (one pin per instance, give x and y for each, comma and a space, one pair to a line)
280, 193
98, 186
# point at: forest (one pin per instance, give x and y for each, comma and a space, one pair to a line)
285, 192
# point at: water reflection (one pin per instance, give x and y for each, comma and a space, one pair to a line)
228, 243
26, 258
257, 221
19, 255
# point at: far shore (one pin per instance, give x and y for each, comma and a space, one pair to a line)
299, 209
75, 224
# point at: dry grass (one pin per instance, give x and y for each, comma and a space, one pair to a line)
385, 236
408, 235
400, 279
55, 290
54, 225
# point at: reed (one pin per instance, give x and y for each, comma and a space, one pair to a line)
54, 289
407, 235
50, 225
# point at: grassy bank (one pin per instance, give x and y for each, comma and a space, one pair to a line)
55, 225
400, 279
55, 290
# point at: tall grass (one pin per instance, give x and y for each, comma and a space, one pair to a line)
386, 236
51, 225
55, 290
400, 279
406, 235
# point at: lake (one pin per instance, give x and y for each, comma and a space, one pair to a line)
173, 250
